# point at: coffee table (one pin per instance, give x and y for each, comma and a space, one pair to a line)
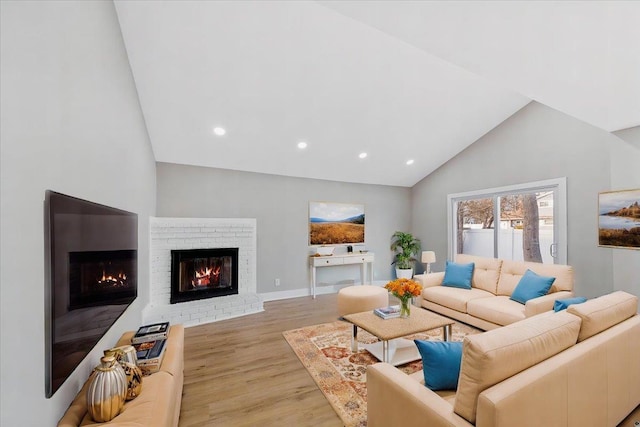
392, 348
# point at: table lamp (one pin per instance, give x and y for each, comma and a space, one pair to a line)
427, 258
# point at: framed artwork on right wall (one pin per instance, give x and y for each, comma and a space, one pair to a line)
619, 219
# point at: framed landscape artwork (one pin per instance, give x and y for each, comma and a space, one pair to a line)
335, 223
619, 219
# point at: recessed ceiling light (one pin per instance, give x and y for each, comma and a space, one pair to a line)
302, 145
410, 162
219, 131
362, 155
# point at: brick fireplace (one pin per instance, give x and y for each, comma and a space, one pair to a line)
195, 234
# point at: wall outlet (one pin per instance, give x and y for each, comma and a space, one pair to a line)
277, 282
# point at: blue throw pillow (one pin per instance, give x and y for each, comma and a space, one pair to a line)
531, 286
440, 363
458, 275
562, 304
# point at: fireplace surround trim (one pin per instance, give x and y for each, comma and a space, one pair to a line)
179, 256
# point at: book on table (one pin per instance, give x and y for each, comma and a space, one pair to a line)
389, 312
152, 332
150, 355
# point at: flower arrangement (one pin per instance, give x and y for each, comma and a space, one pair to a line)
404, 290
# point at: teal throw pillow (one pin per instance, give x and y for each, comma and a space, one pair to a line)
458, 275
562, 304
440, 363
531, 286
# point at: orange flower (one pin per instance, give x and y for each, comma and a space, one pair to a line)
404, 288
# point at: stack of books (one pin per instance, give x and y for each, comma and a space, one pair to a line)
387, 312
150, 343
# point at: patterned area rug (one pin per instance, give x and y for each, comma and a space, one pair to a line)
325, 350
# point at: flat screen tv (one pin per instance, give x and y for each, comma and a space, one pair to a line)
92, 273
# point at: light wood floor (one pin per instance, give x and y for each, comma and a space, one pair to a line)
241, 372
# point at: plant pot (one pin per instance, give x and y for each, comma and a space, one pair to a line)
404, 273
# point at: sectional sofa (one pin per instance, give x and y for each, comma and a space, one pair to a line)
487, 305
158, 404
574, 368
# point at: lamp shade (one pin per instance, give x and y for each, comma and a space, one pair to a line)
428, 257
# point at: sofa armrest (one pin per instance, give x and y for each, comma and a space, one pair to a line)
394, 398
429, 280
544, 303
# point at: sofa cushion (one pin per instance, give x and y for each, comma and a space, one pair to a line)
485, 272
173, 361
493, 356
453, 298
440, 363
153, 407
530, 286
458, 275
603, 312
562, 304
512, 271
499, 310
156, 406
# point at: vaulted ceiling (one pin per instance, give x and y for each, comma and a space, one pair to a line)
398, 80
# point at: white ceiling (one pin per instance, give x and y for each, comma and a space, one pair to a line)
396, 79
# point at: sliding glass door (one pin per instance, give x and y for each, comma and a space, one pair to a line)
525, 222
475, 227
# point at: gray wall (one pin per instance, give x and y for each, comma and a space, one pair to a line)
281, 206
71, 122
536, 143
625, 175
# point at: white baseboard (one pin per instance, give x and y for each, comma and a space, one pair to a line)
304, 292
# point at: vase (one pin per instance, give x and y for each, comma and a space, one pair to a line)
134, 379
126, 356
405, 308
125, 353
107, 391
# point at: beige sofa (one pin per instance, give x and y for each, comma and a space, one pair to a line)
579, 367
487, 305
158, 404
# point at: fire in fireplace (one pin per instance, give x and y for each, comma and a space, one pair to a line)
203, 273
99, 277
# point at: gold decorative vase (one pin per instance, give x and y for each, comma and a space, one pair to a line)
134, 379
126, 356
107, 390
124, 353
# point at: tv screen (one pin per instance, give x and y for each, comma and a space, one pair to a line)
92, 278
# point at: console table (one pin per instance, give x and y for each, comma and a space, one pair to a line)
364, 260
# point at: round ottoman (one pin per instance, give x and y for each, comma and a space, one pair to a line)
354, 299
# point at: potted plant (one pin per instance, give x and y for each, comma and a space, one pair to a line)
405, 247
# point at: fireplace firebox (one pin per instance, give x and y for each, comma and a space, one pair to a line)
203, 273
101, 278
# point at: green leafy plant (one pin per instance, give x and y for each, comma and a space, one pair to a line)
405, 246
